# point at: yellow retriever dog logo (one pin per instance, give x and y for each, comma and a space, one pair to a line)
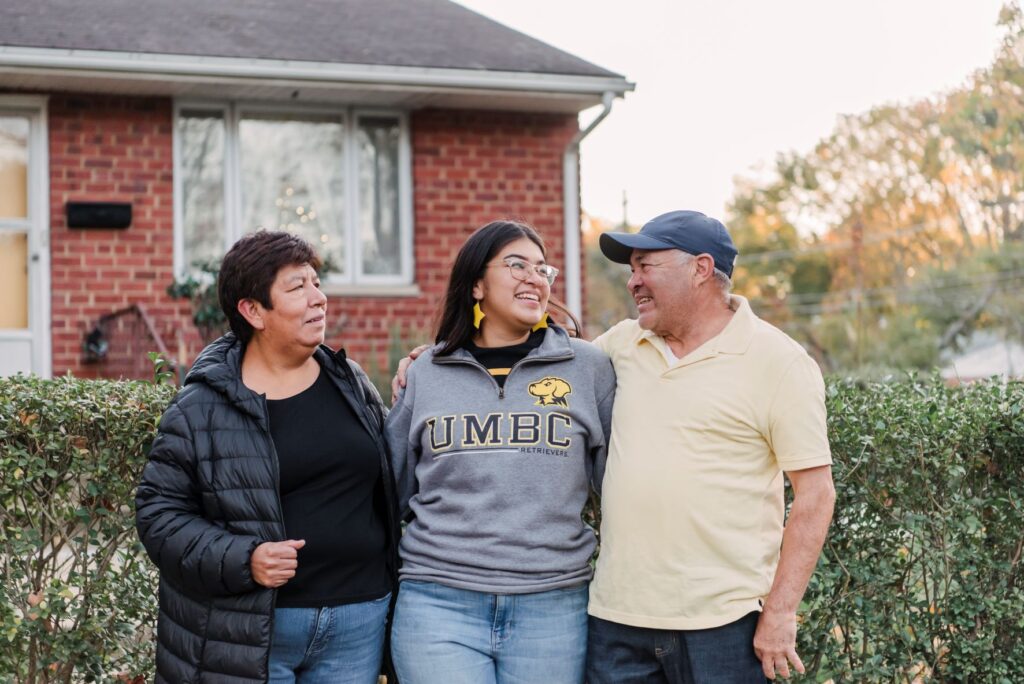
551, 392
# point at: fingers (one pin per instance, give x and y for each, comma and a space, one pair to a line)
398, 382
782, 666
798, 664
403, 370
286, 549
768, 666
274, 563
772, 663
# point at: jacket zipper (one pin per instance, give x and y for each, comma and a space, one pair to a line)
520, 362
280, 508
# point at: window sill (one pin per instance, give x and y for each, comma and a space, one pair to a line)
376, 291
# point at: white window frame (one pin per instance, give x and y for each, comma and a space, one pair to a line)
353, 279
36, 226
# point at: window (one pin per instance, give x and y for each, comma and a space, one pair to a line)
341, 179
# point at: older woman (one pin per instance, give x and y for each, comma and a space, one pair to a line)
267, 502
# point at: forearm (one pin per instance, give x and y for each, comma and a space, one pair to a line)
802, 542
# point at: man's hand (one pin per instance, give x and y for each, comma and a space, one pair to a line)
809, 516
274, 563
398, 382
775, 643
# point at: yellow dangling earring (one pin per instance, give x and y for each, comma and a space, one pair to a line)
478, 315
543, 323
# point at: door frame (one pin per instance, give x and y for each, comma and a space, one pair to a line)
39, 324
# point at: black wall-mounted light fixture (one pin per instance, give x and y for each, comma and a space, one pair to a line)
116, 215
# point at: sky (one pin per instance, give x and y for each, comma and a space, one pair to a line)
723, 86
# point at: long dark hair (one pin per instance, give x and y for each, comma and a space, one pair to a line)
456, 325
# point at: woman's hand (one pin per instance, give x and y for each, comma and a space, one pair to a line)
398, 382
274, 563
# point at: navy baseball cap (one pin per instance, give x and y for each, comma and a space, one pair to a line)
690, 231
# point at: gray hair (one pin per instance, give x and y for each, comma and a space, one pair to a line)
723, 281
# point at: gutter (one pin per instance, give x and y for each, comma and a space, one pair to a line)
571, 188
190, 68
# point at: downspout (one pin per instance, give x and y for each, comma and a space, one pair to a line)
571, 187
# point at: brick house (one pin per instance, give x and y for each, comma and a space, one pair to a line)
383, 131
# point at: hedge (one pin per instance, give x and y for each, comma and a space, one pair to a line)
920, 580
79, 594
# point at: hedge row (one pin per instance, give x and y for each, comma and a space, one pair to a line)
921, 578
79, 595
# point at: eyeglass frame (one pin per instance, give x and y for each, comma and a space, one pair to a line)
509, 260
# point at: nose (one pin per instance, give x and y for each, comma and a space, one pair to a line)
634, 281
535, 277
318, 298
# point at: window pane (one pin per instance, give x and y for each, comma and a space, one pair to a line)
378, 196
293, 179
13, 280
202, 185
13, 167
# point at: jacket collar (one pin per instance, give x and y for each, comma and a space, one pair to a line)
554, 347
219, 366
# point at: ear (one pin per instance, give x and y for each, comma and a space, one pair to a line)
478, 290
252, 312
704, 268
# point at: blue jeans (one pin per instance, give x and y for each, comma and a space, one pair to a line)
455, 636
338, 645
620, 654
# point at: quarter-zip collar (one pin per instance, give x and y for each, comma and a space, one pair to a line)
554, 347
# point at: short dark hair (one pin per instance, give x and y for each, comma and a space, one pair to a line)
250, 267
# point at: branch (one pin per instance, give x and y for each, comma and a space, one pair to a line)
958, 326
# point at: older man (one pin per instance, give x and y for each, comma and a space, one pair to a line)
698, 579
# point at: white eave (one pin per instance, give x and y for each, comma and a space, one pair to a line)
366, 84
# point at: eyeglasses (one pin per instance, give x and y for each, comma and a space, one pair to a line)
521, 269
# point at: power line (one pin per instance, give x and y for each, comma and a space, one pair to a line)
871, 299
815, 297
784, 254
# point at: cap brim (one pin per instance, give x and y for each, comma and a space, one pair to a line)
619, 246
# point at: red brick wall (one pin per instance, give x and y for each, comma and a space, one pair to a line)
111, 149
468, 168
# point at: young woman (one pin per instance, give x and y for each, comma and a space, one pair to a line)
496, 442
267, 503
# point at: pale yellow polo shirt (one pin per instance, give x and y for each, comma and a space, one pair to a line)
692, 499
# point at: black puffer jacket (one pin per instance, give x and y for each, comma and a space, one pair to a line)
208, 497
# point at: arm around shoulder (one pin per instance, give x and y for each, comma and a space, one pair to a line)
402, 448
370, 393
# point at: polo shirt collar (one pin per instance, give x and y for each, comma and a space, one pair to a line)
735, 338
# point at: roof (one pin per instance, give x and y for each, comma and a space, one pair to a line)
394, 53
412, 33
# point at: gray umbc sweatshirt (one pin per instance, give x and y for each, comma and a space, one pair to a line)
495, 479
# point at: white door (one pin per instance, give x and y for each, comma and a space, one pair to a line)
24, 233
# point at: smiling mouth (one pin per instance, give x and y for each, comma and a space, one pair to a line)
643, 300
528, 297
318, 319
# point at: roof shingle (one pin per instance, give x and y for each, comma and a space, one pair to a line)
409, 33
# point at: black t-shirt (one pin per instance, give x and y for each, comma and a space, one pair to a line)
332, 496
499, 360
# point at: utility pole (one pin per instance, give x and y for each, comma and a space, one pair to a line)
625, 207
857, 293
